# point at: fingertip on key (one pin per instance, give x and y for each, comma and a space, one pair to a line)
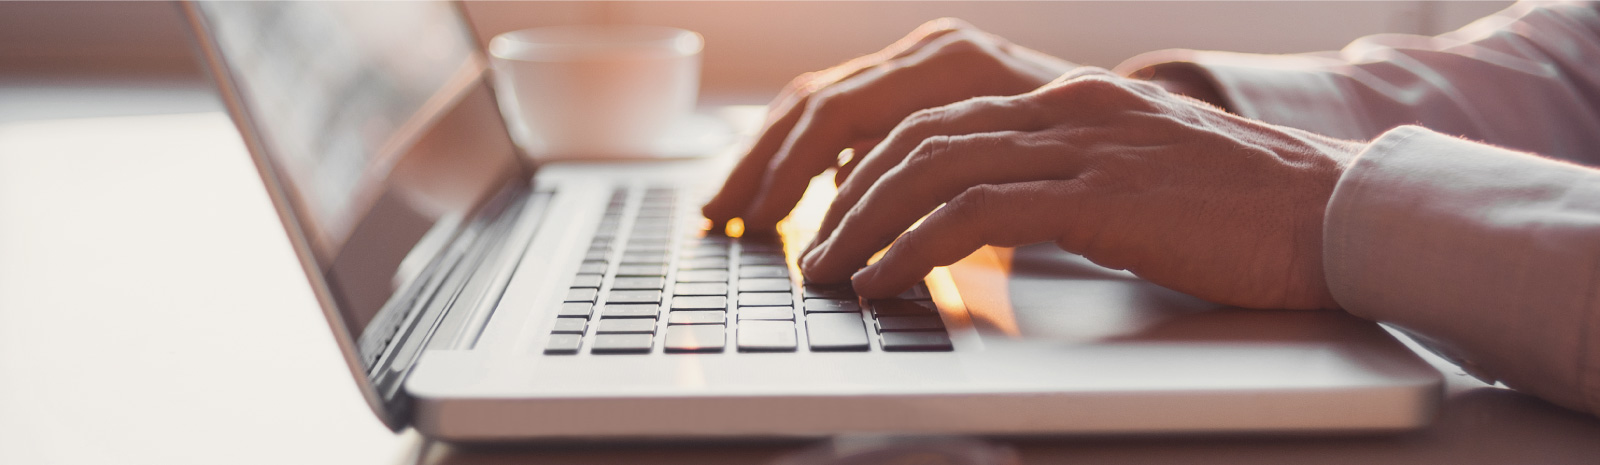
716, 212
864, 282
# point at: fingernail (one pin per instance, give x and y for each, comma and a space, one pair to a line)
863, 277
811, 257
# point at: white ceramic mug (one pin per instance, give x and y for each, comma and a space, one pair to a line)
596, 91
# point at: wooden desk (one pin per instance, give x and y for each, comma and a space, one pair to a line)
151, 311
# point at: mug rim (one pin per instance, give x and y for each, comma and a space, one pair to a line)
588, 42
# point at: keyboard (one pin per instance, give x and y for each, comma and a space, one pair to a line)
649, 283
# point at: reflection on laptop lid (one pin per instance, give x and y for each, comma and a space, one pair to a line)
374, 127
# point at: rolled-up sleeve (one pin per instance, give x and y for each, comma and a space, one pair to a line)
1448, 225
1492, 255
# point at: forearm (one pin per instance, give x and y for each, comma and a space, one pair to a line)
1491, 255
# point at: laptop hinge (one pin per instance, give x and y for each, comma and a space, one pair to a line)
474, 271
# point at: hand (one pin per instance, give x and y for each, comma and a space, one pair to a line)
855, 104
1120, 171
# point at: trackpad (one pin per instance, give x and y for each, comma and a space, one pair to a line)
1041, 292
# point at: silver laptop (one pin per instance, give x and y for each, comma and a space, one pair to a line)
481, 297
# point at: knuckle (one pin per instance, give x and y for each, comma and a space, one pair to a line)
966, 48
1095, 91
1094, 84
802, 84
923, 157
960, 42
925, 118
943, 25
976, 202
826, 104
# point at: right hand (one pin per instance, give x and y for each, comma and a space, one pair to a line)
855, 104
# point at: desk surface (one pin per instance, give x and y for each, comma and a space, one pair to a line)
151, 311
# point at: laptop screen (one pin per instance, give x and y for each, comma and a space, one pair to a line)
377, 127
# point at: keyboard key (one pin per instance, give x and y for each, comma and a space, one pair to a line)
655, 213
701, 289
762, 260
640, 283
910, 323
644, 258
831, 306
563, 344
581, 294
700, 238
708, 263
918, 291
592, 267
630, 311
704, 251
586, 280
707, 302
697, 338
898, 307
766, 336
647, 247
763, 272
696, 317
571, 325
633, 297
649, 235
576, 309
652, 221
622, 343
597, 255
760, 246
766, 313
764, 285
915, 341
642, 270
765, 299
829, 291
626, 325
836, 331
703, 276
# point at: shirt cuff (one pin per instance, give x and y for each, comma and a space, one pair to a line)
1489, 254
1287, 90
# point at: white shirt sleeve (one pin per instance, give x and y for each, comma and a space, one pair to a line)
1490, 254
1526, 78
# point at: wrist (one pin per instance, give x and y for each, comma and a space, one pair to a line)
1185, 79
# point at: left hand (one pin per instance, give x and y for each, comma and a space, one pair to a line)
1120, 171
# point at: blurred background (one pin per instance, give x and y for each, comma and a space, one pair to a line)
753, 48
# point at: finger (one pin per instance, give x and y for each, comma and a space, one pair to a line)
851, 158
744, 180
978, 115
1005, 215
866, 105
936, 172
734, 196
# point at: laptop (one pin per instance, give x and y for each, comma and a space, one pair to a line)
481, 296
